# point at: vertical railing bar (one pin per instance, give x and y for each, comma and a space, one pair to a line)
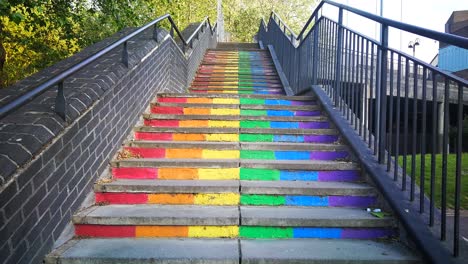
356, 84
338, 56
361, 107
351, 103
397, 130
155, 33
443, 224
458, 175
60, 102
371, 104
346, 75
405, 129
414, 131
383, 94
390, 118
433, 151
125, 54
366, 103
422, 174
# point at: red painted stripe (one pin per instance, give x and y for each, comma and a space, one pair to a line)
167, 110
199, 91
172, 99
135, 173
161, 123
121, 198
147, 152
153, 136
105, 231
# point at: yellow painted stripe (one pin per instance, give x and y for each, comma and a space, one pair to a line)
213, 231
225, 101
220, 154
225, 111
216, 198
221, 123
218, 174
222, 137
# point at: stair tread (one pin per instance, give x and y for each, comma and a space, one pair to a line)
151, 214
326, 251
259, 96
306, 188
236, 117
241, 106
311, 216
209, 130
143, 250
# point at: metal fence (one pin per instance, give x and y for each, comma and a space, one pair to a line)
400, 107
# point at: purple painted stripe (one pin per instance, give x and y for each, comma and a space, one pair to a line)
328, 155
314, 125
351, 201
320, 138
342, 175
301, 103
367, 233
307, 113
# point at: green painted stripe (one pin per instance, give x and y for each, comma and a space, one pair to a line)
249, 112
254, 199
255, 138
265, 232
254, 124
252, 101
254, 174
245, 92
257, 154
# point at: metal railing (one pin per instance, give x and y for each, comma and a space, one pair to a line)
58, 80
399, 106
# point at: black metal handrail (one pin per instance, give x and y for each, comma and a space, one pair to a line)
60, 102
367, 80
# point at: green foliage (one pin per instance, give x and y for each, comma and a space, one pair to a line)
242, 17
35, 34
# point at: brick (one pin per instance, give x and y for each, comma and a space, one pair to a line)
29, 142
34, 200
15, 152
36, 230
52, 150
10, 227
24, 228
29, 172
16, 203
7, 167
43, 174
53, 124
17, 253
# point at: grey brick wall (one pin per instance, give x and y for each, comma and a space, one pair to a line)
47, 166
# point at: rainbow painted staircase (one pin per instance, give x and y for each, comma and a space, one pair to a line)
234, 171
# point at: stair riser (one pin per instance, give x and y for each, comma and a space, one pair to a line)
199, 153
108, 231
229, 111
233, 174
234, 199
237, 124
242, 101
237, 137
237, 92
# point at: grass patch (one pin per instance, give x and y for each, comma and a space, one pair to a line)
451, 165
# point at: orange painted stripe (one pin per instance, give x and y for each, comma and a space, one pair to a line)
184, 153
188, 137
170, 198
197, 111
177, 174
199, 100
193, 123
161, 231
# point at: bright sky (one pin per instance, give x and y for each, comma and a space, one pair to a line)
431, 14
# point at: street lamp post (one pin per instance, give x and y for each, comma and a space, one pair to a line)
412, 45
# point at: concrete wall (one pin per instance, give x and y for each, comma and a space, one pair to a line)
47, 165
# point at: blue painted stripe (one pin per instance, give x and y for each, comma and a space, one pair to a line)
306, 200
288, 138
285, 125
292, 155
312, 232
298, 175
277, 102
280, 113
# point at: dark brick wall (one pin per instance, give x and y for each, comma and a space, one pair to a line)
47, 166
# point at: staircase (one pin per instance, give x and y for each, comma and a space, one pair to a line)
234, 171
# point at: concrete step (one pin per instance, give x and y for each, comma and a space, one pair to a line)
153, 215
331, 251
144, 250
266, 193
236, 134
284, 97
312, 165
237, 106
234, 116
312, 217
